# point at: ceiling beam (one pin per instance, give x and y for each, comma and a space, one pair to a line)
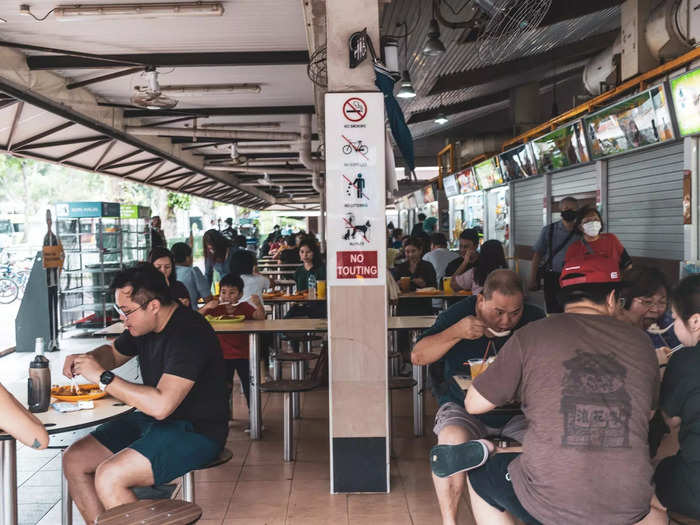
557, 57
485, 100
212, 59
65, 142
13, 128
43, 134
211, 112
84, 149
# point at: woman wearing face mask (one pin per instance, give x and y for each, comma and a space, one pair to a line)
677, 477
590, 223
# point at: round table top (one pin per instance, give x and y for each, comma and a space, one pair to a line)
106, 409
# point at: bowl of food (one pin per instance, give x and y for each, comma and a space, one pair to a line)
85, 392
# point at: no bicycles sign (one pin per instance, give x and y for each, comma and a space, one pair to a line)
354, 109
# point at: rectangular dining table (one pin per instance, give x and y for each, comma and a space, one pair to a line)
256, 328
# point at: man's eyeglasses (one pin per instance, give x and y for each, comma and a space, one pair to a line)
649, 304
126, 315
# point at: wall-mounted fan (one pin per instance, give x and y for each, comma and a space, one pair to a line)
150, 96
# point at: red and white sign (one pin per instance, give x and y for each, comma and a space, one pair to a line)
355, 199
357, 265
354, 109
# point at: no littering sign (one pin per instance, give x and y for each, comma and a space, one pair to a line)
357, 265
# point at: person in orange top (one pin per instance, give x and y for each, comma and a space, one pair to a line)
235, 346
590, 223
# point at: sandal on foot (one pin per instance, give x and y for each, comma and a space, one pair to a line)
447, 460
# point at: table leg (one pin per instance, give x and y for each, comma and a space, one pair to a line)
417, 394
255, 411
8, 466
66, 501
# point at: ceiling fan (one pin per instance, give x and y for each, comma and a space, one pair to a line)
150, 95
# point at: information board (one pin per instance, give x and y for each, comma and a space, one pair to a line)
355, 190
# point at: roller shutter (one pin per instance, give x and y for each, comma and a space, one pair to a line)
580, 179
528, 197
645, 208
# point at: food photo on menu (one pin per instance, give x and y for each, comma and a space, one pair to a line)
562, 147
518, 163
641, 120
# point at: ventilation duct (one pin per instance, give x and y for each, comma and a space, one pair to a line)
601, 70
473, 147
664, 31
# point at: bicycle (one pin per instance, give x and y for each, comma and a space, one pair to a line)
355, 146
12, 283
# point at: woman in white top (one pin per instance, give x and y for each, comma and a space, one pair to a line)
244, 263
491, 257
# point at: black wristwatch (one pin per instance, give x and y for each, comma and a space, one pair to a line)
106, 378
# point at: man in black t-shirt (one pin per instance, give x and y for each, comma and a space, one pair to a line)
181, 421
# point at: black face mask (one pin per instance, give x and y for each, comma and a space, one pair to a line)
568, 215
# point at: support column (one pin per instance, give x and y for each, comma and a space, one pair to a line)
356, 247
690, 231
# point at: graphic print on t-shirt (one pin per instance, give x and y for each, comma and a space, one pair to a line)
595, 404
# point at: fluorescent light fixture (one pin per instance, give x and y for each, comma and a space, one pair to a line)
184, 90
241, 125
406, 90
68, 13
441, 119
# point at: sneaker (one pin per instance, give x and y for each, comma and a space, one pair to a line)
448, 460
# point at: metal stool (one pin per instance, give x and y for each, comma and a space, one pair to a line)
397, 383
153, 512
188, 479
288, 388
298, 360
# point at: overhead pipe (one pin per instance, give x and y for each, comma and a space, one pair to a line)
261, 171
213, 133
305, 146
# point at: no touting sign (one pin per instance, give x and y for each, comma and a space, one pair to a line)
357, 265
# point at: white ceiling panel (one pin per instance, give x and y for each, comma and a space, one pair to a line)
246, 25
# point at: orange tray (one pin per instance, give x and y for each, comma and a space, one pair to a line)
87, 393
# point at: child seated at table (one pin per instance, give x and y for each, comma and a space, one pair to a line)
235, 347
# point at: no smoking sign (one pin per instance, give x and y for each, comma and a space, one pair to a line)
354, 109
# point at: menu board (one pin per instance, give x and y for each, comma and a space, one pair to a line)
518, 163
685, 90
638, 121
467, 181
488, 174
451, 186
560, 148
428, 194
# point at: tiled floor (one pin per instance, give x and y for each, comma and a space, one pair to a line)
256, 487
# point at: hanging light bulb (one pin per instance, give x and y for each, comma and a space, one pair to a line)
441, 119
406, 90
434, 46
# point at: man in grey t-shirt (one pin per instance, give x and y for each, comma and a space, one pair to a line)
587, 384
550, 251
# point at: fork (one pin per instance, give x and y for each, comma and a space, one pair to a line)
74, 386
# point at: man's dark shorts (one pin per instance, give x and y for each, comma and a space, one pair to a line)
172, 447
492, 483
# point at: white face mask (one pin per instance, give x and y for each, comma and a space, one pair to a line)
591, 228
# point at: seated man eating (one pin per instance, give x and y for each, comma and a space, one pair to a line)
462, 332
181, 421
587, 383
